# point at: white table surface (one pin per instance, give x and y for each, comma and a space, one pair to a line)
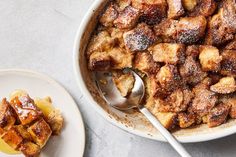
39, 35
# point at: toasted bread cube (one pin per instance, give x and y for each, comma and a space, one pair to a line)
140, 38
166, 30
167, 119
186, 120
7, 115
144, 62
30, 149
209, 58
226, 85
120, 58
100, 61
169, 53
189, 4
153, 11
230, 100
123, 3
13, 138
109, 15
55, 120
156, 90
205, 8
124, 82
127, 18
168, 77
218, 115
228, 63
191, 29
22, 130
175, 9
25, 109
40, 132
100, 43
204, 99
222, 26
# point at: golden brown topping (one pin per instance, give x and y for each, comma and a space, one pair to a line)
40, 132
12, 138
175, 9
30, 149
144, 62
127, 18
228, 63
124, 82
204, 7
186, 120
209, 58
25, 109
167, 119
7, 115
230, 101
140, 38
109, 15
191, 29
153, 11
168, 77
168, 53
189, 4
204, 99
218, 115
226, 85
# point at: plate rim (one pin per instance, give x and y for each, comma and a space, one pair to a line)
48, 78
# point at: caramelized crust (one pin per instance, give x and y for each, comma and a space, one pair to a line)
140, 38
168, 53
127, 18
153, 11
144, 62
228, 63
109, 15
204, 7
186, 119
7, 115
218, 115
209, 58
175, 9
29, 149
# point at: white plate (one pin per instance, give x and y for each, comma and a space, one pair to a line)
71, 142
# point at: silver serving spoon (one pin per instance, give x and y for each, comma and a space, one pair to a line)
113, 97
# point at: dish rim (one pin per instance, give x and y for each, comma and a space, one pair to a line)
86, 93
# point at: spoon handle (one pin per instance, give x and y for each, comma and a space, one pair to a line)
167, 135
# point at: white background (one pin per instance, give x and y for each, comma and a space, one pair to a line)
39, 35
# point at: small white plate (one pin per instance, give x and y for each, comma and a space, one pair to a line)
71, 142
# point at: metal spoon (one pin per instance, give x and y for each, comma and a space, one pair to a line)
113, 97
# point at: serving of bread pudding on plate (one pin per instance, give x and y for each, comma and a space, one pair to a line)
26, 124
185, 51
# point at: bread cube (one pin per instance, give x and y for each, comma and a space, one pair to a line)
29, 149
228, 63
124, 82
140, 38
226, 85
127, 18
230, 101
209, 58
25, 109
186, 119
175, 9
13, 138
40, 132
7, 115
100, 61
168, 77
167, 119
189, 4
109, 15
218, 115
153, 11
144, 62
191, 29
169, 53
205, 8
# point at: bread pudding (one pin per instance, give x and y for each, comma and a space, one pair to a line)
26, 125
185, 51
